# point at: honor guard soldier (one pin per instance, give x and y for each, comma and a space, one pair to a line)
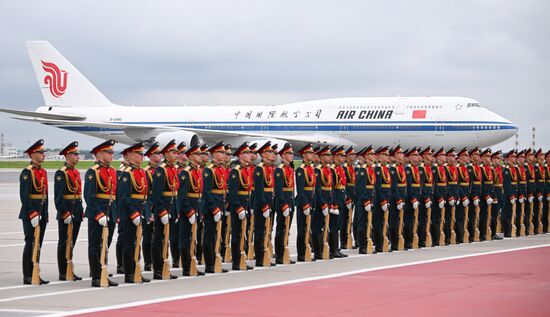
100, 187
487, 195
530, 211
239, 191
180, 165
351, 179
546, 208
163, 199
33, 191
383, 191
475, 193
425, 210
68, 202
189, 205
522, 193
305, 202
365, 199
323, 202
214, 191
284, 203
509, 197
341, 204
120, 232
182, 157
131, 202
155, 158
453, 197
414, 188
440, 197
496, 212
264, 183
399, 194
205, 157
226, 218
463, 210
539, 206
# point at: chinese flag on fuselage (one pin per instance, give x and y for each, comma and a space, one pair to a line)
419, 114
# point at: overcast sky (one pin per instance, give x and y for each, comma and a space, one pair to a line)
269, 52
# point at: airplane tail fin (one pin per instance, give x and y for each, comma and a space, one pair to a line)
61, 84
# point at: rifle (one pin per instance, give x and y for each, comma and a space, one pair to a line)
453, 222
218, 261
499, 224
521, 220
193, 251
466, 237
251, 238
386, 243
307, 255
539, 218
513, 221
227, 255
442, 227
137, 251
266, 261
35, 255
349, 243
488, 233
165, 263
325, 239
270, 243
401, 241
428, 225
242, 259
286, 253
370, 247
476, 224
104, 282
69, 253
415, 229
531, 225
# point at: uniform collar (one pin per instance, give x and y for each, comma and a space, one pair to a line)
37, 166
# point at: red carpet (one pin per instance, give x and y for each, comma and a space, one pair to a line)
506, 284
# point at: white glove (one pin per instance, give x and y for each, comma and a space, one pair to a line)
226, 213
442, 204
368, 208
512, 201
68, 220
335, 211
452, 202
251, 211
457, 202
530, 199
164, 219
307, 211
539, 198
349, 206
385, 207
103, 221
137, 221
325, 211
286, 212
35, 221
242, 215
548, 198
266, 213
476, 202
400, 206
428, 204
466, 202
192, 219
521, 200
217, 217
415, 205
489, 201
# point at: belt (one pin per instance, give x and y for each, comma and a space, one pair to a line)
386, 185
464, 184
243, 192
531, 181
453, 183
105, 196
137, 196
488, 183
268, 190
308, 188
429, 185
351, 185
327, 188
401, 185
514, 183
477, 183
524, 182
71, 197
370, 186
288, 189
218, 191
194, 195
37, 196
441, 184
415, 185
169, 194
340, 187
498, 185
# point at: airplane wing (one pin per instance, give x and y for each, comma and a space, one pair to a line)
34, 114
318, 139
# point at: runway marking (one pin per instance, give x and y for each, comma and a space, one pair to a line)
29, 311
238, 289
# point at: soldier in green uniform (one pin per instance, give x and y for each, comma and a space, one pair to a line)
496, 213
414, 189
427, 180
155, 158
305, 202
351, 179
365, 195
284, 199
68, 203
100, 188
33, 192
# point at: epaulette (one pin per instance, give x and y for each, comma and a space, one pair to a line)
332, 166
128, 169
319, 166
302, 165
237, 167
64, 168
95, 167
261, 164
281, 165
29, 167
210, 166
163, 165
187, 168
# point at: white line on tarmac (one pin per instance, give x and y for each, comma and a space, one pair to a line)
232, 290
30, 311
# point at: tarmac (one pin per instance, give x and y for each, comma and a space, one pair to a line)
60, 298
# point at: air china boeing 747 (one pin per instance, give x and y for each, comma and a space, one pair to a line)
73, 103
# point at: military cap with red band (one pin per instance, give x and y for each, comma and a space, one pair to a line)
487, 151
72, 148
464, 151
496, 154
195, 149
474, 151
137, 147
182, 147
339, 151
308, 148
243, 148
441, 151
219, 147
426, 151
383, 151
106, 146
154, 149
511, 153
287, 148
396, 150
324, 151
351, 151
37, 147
170, 146
451, 152
411, 152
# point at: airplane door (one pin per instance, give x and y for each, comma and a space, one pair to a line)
439, 128
344, 129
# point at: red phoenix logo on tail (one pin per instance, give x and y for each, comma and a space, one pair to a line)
56, 79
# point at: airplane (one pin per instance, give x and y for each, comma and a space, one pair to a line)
73, 103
